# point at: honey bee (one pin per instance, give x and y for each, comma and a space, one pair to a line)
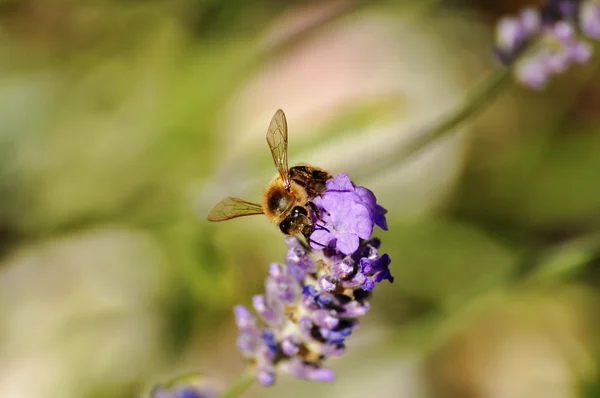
287, 201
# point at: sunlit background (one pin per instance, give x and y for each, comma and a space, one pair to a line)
123, 122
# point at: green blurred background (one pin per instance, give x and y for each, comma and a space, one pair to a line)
123, 122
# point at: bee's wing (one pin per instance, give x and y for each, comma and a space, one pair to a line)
230, 208
277, 138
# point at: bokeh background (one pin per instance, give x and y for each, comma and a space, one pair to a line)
123, 122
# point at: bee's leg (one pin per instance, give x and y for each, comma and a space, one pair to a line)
307, 230
309, 240
316, 210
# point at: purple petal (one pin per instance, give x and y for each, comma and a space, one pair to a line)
363, 227
269, 309
187, 392
277, 270
321, 238
340, 182
322, 374
248, 343
366, 197
243, 317
354, 309
325, 319
290, 346
580, 52
328, 283
282, 284
297, 258
335, 336
380, 219
368, 284
377, 212
533, 72
563, 31
376, 270
347, 243
303, 370
322, 300
530, 20
265, 375
330, 350
270, 345
509, 34
345, 268
306, 326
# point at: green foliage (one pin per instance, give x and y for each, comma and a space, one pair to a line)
441, 259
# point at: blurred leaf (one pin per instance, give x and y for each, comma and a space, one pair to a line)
591, 389
537, 179
195, 98
73, 165
441, 258
560, 188
566, 258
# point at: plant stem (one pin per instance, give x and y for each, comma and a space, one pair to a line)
240, 385
481, 97
475, 103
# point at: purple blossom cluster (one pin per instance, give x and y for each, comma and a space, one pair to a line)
545, 41
313, 301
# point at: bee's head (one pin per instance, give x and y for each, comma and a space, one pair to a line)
296, 222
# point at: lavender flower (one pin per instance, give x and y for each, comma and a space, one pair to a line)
514, 33
186, 387
311, 304
543, 42
348, 214
590, 19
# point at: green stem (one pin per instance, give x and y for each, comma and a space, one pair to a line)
240, 385
474, 103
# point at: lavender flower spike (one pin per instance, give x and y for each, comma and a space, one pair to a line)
543, 42
312, 302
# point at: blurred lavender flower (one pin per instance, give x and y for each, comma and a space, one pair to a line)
311, 304
590, 19
514, 33
188, 386
544, 42
181, 392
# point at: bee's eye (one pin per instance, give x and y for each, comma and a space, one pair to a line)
278, 202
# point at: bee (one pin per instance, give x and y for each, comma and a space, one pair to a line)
287, 201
